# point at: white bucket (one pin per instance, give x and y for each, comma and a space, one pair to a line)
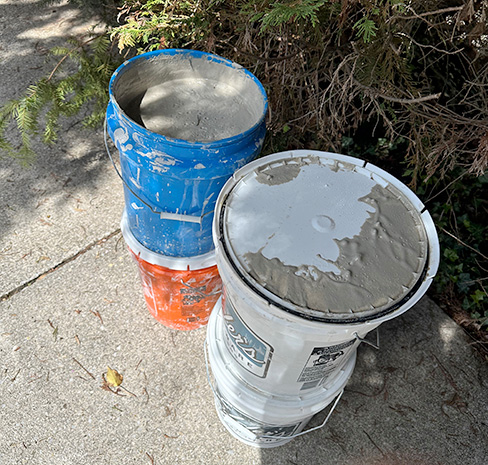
315, 250
257, 418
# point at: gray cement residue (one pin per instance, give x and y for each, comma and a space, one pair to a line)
196, 100
285, 171
341, 165
280, 174
378, 267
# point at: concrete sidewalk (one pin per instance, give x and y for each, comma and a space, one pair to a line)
72, 304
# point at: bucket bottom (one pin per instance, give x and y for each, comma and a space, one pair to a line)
254, 433
179, 299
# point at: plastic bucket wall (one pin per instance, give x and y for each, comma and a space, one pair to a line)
179, 293
283, 354
257, 418
171, 184
275, 348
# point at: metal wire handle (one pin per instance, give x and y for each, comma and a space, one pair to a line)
337, 399
163, 215
220, 400
376, 346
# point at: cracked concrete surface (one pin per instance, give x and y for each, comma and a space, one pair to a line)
73, 305
33, 280
71, 196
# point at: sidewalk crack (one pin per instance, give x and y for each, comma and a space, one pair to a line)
20, 288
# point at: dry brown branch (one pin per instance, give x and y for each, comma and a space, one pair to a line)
323, 84
76, 361
464, 244
80, 46
403, 101
418, 44
453, 9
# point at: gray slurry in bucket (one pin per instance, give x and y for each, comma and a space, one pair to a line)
327, 238
196, 100
377, 267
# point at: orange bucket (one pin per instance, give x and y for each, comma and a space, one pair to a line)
180, 292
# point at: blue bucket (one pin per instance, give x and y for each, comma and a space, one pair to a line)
172, 177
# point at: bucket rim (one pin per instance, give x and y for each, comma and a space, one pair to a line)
181, 142
196, 262
397, 308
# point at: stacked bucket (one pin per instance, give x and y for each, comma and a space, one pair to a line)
315, 250
183, 122
292, 259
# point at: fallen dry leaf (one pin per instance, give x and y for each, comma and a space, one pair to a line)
114, 378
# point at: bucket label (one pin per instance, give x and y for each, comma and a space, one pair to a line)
192, 295
260, 432
249, 350
322, 362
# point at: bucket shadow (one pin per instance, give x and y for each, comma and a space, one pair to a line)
54, 175
410, 403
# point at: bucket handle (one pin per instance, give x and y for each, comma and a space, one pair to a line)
198, 291
219, 398
163, 215
376, 346
334, 405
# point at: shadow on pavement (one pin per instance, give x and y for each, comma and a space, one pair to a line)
75, 161
416, 401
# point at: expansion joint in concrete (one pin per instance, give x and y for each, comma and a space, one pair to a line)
18, 289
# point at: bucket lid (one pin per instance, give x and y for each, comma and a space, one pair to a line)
196, 262
325, 236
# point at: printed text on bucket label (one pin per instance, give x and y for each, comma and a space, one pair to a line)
247, 348
323, 361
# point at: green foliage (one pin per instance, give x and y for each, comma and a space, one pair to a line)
460, 215
156, 24
366, 29
376, 14
279, 13
62, 94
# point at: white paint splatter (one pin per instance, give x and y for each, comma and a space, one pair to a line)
121, 136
